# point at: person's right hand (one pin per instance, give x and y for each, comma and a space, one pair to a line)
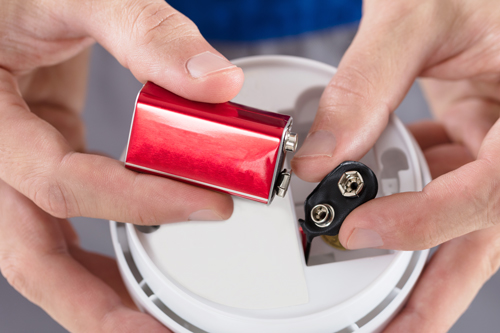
454, 42
44, 175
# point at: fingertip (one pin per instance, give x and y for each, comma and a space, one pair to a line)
161, 45
362, 239
402, 221
206, 63
217, 87
206, 205
191, 203
218, 78
314, 158
351, 223
344, 234
337, 136
224, 206
311, 169
370, 226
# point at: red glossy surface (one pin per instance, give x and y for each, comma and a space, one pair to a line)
229, 147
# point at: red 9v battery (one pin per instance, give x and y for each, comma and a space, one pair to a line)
225, 147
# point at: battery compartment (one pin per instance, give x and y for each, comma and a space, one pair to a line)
321, 252
389, 160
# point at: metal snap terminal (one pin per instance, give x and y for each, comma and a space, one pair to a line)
283, 183
333, 241
351, 184
322, 215
291, 141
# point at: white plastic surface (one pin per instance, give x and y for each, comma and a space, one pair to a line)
232, 277
226, 259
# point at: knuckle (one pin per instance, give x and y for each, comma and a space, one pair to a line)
351, 82
485, 193
493, 259
432, 232
50, 194
427, 237
493, 198
486, 245
159, 20
19, 270
117, 319
491, 262
428, 240
13, 271
143, 216
350, 86
474, 188
139, 213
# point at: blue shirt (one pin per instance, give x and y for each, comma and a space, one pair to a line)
249, 20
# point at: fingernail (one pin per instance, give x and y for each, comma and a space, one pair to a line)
205, 215
206, 63
319, 143
364, 238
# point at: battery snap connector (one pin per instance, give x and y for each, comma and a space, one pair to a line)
348, 186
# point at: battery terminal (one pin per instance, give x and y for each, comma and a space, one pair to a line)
351, 184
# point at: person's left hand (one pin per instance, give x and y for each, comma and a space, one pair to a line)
67, 281
43, 69
40, 255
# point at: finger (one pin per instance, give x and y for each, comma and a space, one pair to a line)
101, 266
373, 77
469, 121
67, 184
449, 283
75, 298
429, 133
445, 158
69, 233
105, 269
57, 95
158, 44
467, 110
35, 261
63, 84
441, 155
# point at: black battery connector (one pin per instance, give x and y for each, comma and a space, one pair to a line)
348, 186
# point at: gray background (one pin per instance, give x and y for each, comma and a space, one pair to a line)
111, 94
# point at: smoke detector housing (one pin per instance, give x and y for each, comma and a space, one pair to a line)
231, 276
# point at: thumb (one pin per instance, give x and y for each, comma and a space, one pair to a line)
373, 77
159, 44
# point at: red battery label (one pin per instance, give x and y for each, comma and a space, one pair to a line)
225, 147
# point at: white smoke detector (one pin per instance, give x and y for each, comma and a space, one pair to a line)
231, 276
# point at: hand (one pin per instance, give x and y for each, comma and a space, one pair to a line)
41, 258
455, 43
44, 175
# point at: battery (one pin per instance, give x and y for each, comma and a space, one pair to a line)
225, 147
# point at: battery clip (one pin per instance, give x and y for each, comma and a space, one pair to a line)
348, 186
